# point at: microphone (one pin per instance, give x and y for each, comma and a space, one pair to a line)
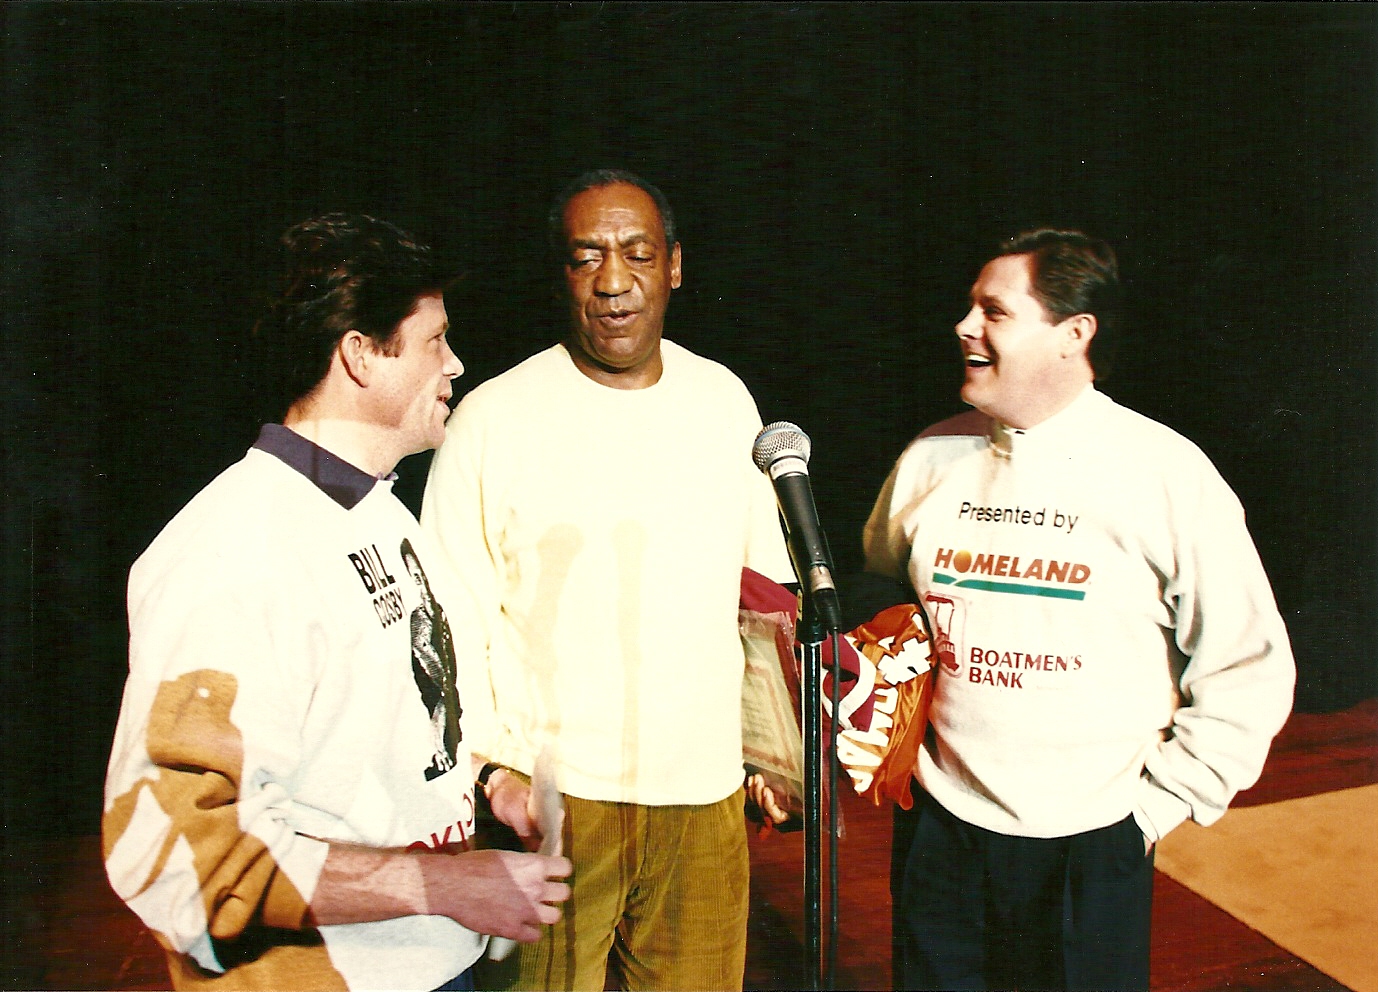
782, 452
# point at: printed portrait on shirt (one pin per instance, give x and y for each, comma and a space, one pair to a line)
433, 666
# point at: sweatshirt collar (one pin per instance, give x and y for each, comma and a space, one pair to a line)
1005, 441
669, 374
331, 474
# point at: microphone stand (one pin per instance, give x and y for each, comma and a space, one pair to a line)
809, 636
782, 452
810, 632
834, 824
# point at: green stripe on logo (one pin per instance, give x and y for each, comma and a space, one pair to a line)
1014, 588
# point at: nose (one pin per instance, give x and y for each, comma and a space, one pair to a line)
614, 277
967, 327
453, 367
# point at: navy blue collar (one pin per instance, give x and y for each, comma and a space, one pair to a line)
334, 476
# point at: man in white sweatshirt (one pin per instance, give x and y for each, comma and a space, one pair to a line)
601, 502
1112, 660
289, 802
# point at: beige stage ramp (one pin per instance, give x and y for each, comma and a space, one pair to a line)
1304, 873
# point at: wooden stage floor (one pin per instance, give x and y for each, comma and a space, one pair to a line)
74, 934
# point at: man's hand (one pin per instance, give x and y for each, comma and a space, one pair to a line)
510, 799
764, 798
502, 893
506, 893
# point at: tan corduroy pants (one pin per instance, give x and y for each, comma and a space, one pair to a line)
660, 897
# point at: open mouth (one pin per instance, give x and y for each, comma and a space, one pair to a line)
978, 361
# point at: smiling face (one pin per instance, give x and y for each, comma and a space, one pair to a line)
618, 276
1020, 367
413, 378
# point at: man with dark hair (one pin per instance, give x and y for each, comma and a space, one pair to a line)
1071, 273
1111, 658
601, 501
280, 809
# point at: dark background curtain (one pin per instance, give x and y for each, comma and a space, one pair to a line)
839, 172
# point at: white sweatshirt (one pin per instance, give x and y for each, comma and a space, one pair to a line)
604, 532
279, 697
1108, 638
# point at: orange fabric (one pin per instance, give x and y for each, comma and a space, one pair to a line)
889, 634
887, 727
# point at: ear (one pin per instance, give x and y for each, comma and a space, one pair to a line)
1078, 332
357, 354
675, 271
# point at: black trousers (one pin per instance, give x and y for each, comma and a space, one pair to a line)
980, 910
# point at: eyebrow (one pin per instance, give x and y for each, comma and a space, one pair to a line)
988, 299
626, 242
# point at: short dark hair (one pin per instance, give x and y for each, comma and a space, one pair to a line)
340, 273
1074, 273
594, 178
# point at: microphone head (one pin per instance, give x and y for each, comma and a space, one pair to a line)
778, 440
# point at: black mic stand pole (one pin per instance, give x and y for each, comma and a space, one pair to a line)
809, 636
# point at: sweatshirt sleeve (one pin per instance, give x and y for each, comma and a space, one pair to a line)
1239, 674
766, 552
884, 545
196, 833
459, 514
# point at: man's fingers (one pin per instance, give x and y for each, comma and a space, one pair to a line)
556, 892
764, 798
773, 809
559, 867
510, 799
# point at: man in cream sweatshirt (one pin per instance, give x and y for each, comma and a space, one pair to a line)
601, 502
1111, 658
